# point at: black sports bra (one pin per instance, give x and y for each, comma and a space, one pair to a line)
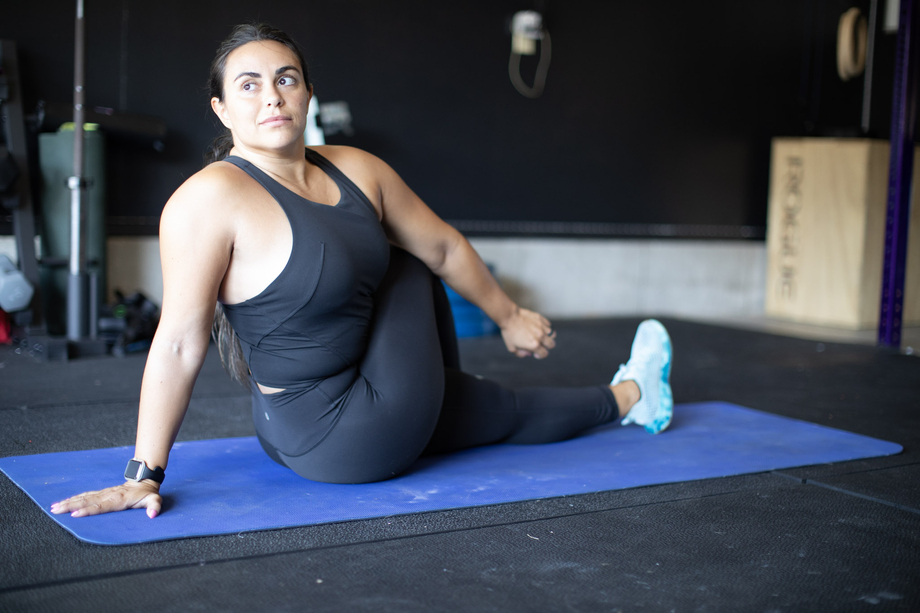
312, 321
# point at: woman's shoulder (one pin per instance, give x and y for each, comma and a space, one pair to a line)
210, 186
365, 170
210, 193
342, 153
352, 161
217, 178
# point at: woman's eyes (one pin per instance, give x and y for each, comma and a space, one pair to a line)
250, 86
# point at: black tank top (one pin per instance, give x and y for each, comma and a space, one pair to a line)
313, 320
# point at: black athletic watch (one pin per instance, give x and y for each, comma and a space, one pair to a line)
138, 471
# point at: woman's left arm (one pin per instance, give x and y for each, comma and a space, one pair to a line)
411, 225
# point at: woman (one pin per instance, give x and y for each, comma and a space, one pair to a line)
322, 260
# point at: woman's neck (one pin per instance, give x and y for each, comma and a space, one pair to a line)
290, 165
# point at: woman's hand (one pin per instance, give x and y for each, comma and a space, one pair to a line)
527, 333
130, 495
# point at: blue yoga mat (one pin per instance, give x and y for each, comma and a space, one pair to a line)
226, 486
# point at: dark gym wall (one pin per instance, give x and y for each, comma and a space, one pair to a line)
654, 113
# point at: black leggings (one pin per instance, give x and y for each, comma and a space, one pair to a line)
410, 397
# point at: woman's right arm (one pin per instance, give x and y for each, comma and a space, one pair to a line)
196, 240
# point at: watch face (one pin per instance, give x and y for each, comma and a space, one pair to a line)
133, 470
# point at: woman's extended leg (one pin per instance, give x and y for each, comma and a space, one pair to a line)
480, 412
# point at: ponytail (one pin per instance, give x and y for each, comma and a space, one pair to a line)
228, 344
219, 148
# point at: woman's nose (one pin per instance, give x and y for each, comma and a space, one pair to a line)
273, 97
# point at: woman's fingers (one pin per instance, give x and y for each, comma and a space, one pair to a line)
73, 503
95, 503
529, 334
117, 498
540, 345
93, 508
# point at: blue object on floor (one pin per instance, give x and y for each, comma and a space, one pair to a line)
226, 486
469, 319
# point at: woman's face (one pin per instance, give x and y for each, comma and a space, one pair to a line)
265, 97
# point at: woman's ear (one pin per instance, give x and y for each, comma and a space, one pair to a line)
218, 107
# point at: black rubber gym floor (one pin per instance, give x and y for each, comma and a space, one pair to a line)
839, 537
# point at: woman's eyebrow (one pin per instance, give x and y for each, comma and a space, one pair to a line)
256, 75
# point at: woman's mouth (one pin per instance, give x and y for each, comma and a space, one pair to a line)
275, 120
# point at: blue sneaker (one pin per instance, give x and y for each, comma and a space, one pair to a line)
649, 366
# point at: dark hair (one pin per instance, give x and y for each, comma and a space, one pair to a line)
239, 36
231, 353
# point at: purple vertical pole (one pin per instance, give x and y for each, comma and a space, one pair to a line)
900, 170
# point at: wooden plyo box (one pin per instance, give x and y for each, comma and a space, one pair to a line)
826, 232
